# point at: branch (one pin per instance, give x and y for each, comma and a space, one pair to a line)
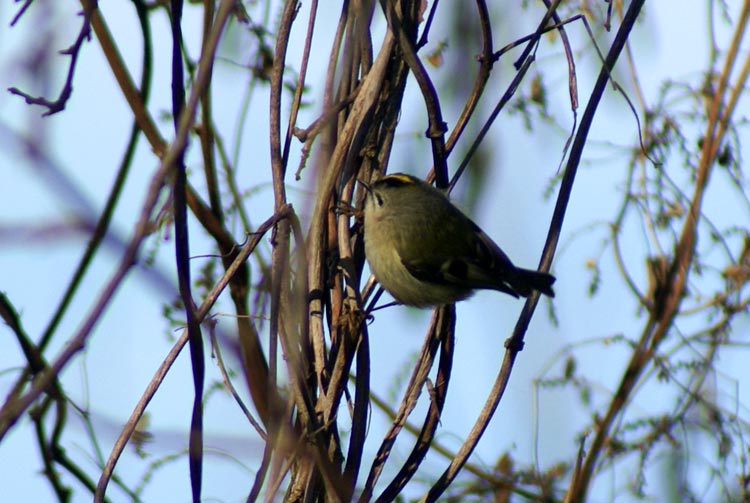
156, 381
515, 343
12, 409
73, 51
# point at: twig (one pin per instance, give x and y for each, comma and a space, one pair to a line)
437, 126
161, 372
73, 51
445, 332
411, 395
515, 343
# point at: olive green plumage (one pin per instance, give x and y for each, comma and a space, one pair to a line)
425, 252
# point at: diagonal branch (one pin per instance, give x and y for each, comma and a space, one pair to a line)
515, 343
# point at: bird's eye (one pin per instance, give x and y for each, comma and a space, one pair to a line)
378, 199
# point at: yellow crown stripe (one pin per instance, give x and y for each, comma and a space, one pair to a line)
399, 179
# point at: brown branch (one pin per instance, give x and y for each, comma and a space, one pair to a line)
661, 319
411, 395
359, 417
349, 138
131, 93
300, 87
486, 62
437, 126
102, 224
445, 332
534, 40
201, 313
515, 343
12, 410
504, 99
227, 380
254, 364
206, 131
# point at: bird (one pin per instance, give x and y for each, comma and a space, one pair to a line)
425, 252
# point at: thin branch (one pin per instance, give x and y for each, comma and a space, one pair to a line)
486, 62
411, 395
437, 126
73, 51
445, 332
102, 224
515, 343
166, 364
12, 410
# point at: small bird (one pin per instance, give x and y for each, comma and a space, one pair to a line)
425, 252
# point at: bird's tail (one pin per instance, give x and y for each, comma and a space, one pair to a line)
526, 281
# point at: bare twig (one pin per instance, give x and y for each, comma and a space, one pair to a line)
437, 126
156, 381
661, 319
445, 332
11, 410
411, 395
515, 343
73, 51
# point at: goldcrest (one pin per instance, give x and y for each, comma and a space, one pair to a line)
425, 252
